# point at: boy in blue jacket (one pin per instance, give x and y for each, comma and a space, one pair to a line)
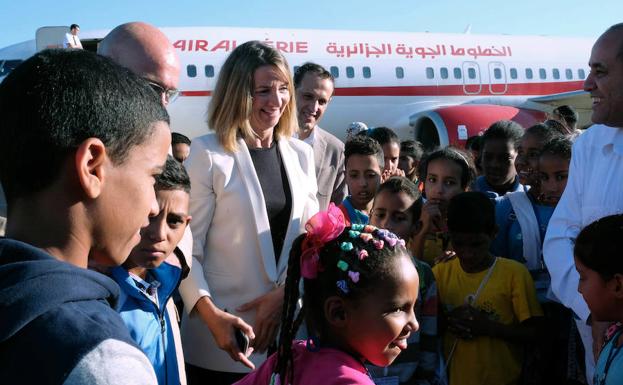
147, 281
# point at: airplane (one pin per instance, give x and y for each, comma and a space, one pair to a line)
437, 88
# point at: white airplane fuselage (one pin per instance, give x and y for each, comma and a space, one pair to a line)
399, 80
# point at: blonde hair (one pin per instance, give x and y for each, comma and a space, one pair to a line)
230, 107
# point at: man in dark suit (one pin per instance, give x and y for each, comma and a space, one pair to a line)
314, 87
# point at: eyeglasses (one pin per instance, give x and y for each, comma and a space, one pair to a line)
169, 94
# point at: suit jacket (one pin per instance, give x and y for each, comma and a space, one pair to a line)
330, 172
233, 256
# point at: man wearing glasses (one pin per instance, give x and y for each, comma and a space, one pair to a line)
146, 51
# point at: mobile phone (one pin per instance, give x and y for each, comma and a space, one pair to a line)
242, 340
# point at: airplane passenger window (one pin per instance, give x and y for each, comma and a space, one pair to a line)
430, 73
497, 73
528, 73
569, 74
471, 73
556, 73
191, 70
209, 70
513, 73
542, 73
400, 72
581, 74
335, 71
443, 71
367, 73
457, 73
350, 72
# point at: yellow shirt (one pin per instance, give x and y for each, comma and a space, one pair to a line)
509, 298
435, 245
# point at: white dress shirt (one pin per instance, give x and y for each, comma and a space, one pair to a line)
594, 190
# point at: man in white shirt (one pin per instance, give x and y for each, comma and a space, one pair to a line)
71, 39
595, 185
314, 88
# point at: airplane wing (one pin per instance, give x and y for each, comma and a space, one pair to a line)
580, 100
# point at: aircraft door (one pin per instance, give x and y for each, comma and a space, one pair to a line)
472, 84
497, 78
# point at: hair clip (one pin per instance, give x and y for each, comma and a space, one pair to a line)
346, 246
342, 265
402, 242
369, 228
378, 243
354, 276
367, 237
343, 286
363, 254
357, 227
353, 233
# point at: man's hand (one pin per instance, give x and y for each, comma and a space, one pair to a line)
222, 325
268, 310
468, 322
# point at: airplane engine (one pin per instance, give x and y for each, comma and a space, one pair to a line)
454, 124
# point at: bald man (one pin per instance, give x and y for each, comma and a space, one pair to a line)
146, 51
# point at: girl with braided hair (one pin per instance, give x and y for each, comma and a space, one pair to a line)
360, 289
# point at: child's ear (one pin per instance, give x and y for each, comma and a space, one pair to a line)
617, 282
89, 160
335, 312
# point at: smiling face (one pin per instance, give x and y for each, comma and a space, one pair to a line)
165, 230
605, 80
553, 172
379, 324
527, 160
270, 98
498, 162
363, 176
391, 211
312, 98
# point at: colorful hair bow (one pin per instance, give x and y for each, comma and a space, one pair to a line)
323, 227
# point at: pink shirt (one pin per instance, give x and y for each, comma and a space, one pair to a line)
326, 366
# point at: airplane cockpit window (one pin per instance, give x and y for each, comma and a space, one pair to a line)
569, 74
581, 74
335, 71
400, 72
471, 73
542, 73
350, 72
191, 70
556, 73
457, 73
513, 72
430, 73
7, 66
497, 73
443, 72
529, 73
209, 71
367, 73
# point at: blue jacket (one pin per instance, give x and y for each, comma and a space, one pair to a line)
149, 325
483, 186
52, 314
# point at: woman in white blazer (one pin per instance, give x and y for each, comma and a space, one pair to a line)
253, 189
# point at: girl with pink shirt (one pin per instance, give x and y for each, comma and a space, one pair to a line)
360, 289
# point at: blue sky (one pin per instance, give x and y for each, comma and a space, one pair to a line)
20, 19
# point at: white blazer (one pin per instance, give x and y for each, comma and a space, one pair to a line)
233, 257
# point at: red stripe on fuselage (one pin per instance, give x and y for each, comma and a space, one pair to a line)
448, 90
